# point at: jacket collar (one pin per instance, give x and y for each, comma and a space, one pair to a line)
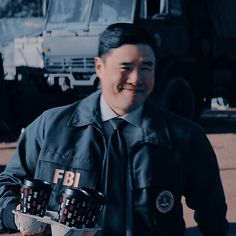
87, 112
152, 130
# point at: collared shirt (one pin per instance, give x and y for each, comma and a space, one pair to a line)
133, 117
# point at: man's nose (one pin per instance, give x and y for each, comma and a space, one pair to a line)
134, 77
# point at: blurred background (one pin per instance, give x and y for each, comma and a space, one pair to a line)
46, 59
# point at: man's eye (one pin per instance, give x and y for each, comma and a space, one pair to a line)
146, 68
126, 68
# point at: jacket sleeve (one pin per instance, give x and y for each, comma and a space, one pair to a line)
205, 193
21, 166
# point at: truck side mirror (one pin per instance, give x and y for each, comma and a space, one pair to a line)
163, 6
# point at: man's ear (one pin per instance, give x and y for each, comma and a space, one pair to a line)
99, 64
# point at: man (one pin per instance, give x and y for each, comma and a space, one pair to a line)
164, 157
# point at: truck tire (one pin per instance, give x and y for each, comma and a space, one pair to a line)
177, 96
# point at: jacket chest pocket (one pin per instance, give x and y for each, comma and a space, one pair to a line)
157, 177
68, 168
157, 183
154, 166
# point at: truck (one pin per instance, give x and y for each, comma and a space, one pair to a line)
21, 63
196, 41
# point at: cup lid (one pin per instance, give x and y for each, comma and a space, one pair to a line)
76, 193
96, 195
37, 183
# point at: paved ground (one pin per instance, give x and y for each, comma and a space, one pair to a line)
221, 129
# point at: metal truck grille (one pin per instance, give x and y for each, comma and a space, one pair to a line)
69, 65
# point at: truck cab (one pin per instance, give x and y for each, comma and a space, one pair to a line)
70, 38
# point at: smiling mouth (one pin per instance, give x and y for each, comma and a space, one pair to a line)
131, 89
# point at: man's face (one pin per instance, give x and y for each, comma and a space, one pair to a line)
127, 76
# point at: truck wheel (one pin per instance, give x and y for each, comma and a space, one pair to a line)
178, 97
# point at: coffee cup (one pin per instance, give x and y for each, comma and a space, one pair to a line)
72, 207
35, 195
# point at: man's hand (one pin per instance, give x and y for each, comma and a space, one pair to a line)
29, 226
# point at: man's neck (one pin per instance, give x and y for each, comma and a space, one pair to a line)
133, 117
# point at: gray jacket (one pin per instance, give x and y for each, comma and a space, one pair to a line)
169, 158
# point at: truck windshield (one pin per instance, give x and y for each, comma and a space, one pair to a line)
110, 11
64, 11
77, 13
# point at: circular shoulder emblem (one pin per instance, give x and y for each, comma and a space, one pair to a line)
165, 201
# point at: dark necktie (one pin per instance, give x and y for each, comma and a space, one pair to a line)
115, 215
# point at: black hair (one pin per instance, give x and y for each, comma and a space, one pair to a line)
118, 34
